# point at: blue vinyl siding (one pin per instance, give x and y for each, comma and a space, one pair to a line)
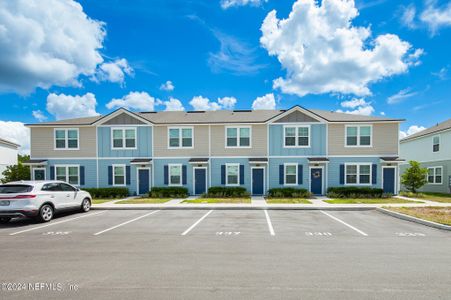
90, 169
216, 164
144, 143
317, 141
273, 172
159, 164
334, 169
103, 173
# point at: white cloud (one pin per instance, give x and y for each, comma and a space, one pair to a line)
67, 107
114, 71
382, 113
172, 105
359, 106
227, 102
353, 103
411, 130
16, 132
408, 16
322, 52
202, 103
401, 96
45, 43
39, 115
225, 4
167, 86
436, 17
264, 102
141, 101
442, 74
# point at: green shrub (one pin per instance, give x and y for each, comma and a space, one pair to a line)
412, 195
288, 193
354, 192
168, 192
107, 193
226, 192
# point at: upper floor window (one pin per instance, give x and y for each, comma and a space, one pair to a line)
66, 139
436, 143
119, 175
358, 173
69, 174
238, 137
175, 174
297, 136
435, 175
359, 136
232, 174
291, 174
124, 138
180, 137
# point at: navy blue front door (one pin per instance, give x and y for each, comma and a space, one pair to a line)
200, 181
316, 181
257, 181
143, 175
389, 180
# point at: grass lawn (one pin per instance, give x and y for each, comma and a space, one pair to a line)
144, 201
440, 215
100, 201
369, 201
437, 197
287, 201
219, 200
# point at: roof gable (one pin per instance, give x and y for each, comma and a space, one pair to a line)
297, 114
122, 117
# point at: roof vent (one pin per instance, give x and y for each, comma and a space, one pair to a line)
148, 112
195, 111
242, 110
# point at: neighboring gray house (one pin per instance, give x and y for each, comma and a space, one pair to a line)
8, 154
432, 148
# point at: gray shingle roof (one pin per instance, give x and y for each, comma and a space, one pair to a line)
434, 129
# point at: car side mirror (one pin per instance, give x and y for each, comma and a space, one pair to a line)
77, 189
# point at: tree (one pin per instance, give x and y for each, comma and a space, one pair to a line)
414, 177
17, 172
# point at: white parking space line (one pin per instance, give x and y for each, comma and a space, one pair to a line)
56, 223
197, 222
127, 222
344, 223
268, 220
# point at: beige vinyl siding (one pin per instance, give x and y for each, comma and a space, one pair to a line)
385, 140
43, 143
258, 142
161, 142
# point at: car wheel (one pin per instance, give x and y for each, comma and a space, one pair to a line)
4, 220
86, 205
45, 213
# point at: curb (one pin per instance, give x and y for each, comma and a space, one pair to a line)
413, 219
233, 208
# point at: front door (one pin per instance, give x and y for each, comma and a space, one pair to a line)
316, 180
200, 181
389, 180
257, 181
143, 179
39, 174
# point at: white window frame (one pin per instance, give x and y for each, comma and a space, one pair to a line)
227, 177
358, 136
238, 136
358, 174
67, 173
435, 176
181, 138
66, 139
114, 174
40, 169
124, 147
169, 175
439, 143
285, 165
297, 136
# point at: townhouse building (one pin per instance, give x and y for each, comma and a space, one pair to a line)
432, 148
258, 150
8, 154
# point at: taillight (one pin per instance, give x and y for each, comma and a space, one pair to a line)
25, 196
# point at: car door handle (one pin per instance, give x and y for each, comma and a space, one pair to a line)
68, 195
52, 196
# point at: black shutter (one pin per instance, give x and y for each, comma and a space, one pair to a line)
166, 175
223, 174
184, 173
52, 173
127, 175
82, 175
110, 175
300, 174
374, 174
281, 179
241, 174
342, 174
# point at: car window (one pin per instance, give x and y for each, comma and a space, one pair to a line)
51, 187
67, 188
15, 188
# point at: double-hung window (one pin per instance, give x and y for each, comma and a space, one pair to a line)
238, 137
291, 174
124, 138
297, 136
175, 174
69, 174
66, 139
359, 136
358, 174
180, 137
435, 175
232, 174
119, 175
436, 143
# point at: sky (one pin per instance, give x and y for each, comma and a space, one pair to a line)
66, 59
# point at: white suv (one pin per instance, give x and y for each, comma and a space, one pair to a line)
40, 199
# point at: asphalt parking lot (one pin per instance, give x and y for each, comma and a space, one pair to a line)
220, 254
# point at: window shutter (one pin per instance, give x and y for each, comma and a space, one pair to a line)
342, 174
184, 173
281, 179
82, 175
300, 174
127, 175
374, 174
52, 173
166, 175
223, 174
110, 175
241, 174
